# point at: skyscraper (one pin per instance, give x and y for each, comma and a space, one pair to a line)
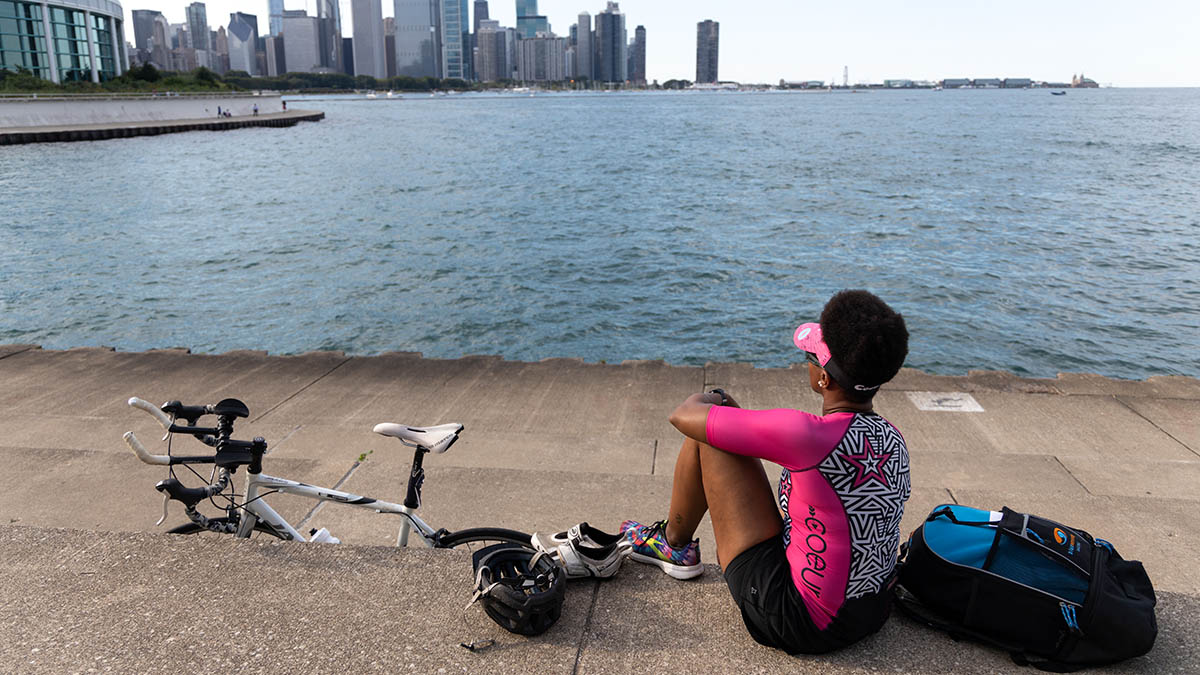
389, 45
611, 45
329, 22
275, 16
301, 41
197, 22
584, 47
707, 39
480, 14
143, 27
242, 38
529, 22
454, 47
369, 58
276, 64
150, 30
488, 50
637, 74
418, 41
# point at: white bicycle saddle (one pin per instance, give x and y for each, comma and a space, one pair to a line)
434, 439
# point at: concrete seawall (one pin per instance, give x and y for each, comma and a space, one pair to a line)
36, 110
86, 583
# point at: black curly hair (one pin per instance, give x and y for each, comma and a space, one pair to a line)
867, 338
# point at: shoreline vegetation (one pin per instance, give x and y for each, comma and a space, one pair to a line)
147, 79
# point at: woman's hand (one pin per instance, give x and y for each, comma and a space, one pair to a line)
691, 417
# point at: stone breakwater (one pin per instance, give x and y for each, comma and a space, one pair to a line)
98, 132
42, 111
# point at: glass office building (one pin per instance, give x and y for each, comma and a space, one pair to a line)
63, 41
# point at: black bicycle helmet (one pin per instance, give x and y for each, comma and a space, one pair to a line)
520, 588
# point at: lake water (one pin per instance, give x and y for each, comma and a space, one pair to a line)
1015, 230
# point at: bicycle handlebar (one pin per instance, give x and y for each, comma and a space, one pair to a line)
153, 410
141, 452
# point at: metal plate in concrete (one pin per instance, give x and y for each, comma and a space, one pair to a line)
1162, 533
75, 601
944, 401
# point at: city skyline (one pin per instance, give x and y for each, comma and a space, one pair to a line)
931, 39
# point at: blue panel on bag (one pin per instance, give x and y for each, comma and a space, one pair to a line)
1025, 565
963, 545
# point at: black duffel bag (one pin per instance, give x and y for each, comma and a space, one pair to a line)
1052, 596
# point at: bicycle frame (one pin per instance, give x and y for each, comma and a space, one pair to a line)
256, 507
259, 485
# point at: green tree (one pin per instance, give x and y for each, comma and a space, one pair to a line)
205, 75
146, 73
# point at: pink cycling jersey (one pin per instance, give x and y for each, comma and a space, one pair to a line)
843, 488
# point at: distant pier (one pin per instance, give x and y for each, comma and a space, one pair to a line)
97, 132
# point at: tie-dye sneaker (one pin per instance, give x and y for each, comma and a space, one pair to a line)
650, 546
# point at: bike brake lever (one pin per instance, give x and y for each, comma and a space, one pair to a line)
166, 502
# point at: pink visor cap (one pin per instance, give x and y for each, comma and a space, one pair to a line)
808, 339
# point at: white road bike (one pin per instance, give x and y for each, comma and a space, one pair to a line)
248, 512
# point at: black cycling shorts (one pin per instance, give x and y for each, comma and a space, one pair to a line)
760, 580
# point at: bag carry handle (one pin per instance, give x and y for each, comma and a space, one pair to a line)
945, 511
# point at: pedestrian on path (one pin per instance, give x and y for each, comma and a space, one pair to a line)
818, 577
256, 110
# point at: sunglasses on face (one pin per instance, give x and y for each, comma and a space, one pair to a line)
812, 358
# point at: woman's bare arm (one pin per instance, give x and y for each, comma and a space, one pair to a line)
691, 416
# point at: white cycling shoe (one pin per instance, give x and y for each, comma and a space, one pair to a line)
585, 551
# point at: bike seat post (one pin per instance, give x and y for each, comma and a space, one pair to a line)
416, 478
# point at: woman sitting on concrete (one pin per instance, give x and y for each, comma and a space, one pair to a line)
817, 577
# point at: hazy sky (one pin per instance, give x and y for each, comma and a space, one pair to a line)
1144, 43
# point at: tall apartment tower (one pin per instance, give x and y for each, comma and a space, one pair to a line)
197, 23
584, 48
418, 38
368, 45
611, 46
707, 40
637, 73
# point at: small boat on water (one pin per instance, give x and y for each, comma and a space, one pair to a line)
1058, 93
